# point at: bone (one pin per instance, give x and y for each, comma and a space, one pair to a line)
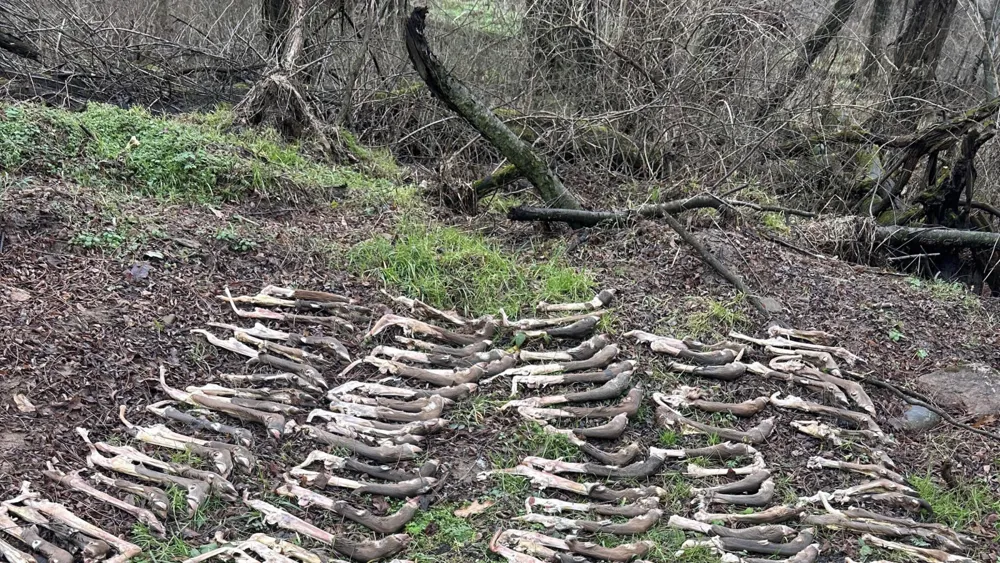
612, 430
779, 342
619, 458
874, 471
597, 491
387, 473
413, 326
539, 381
583, 351
154, 497
638, 470
853, 389
857, 418
292, 339
259, 313
773, 515
769, 533
432, 348
719, 452
536, 324
381, 524
29, 537
377, 390
498, 545
610, 390
74, 482
366, 551
629, 406
433, 409
870, 487
685, 396
677, 348
761, 498
90, 548
726, 544
275, 423
839, 521
412, 406
305, 295
217, 482
417, 306
303, 383
284, 401
61, 514
439, 360
668, 417
576, 330
695, 470
381, 454
400, 489
304, 371
220, 453
843, 438
748, 484
623, 552
637, 525
15, 555
824, 387
921, 553
292, 353
441, 378
555, 506
601, 300
381, 429
726, 372
814, 336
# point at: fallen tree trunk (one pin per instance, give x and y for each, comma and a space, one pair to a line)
936, 237
460, 99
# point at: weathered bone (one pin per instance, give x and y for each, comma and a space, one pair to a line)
413, 326
328, 343
719, 452
29, 537
824, 387
874, 471
870, 487
15, 555
267, 378
537, 381
275, 423
638, 470
839, 521
861, 419
612, 430
842, 437
814, 336
668, 417
577, 330
726, 372
498, 545
960, 542
598, 491
773, 515
433, 409
922, 553
258, 313
437, 349
555, 506
290, 352
748, 484
677, 348
381, 454
618, 459
726, 544
412, 406
584, 350
418, 306
771, 533
219, 453
637, 525
535, 324
853, 389
601, 300
378, 390
155, 498
304, 294
381, 524
61, 514
284, 401
837, 351
74, 482
623, 552
90, 548
610, 390
399, 489
330, 462
381, 429
442, 378
163, 409
599, 360
695, 470
685, 396
761, 498
196, 491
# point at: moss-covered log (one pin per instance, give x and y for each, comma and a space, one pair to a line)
460, 99
493, 182
935, 238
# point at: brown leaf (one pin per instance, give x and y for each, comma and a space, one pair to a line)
475, 508
23, 404
988, 420
18, 295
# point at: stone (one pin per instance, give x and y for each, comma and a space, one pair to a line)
916, 419
971, 387
771, 305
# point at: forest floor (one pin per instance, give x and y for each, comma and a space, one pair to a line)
101, 284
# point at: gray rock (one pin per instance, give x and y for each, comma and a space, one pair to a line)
916, 419
771, 305
972, 387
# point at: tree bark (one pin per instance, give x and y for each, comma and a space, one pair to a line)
460, 99
874, 46
811, 50
936, 238
19, 46
988, 12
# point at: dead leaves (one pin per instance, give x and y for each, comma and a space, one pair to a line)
474, 508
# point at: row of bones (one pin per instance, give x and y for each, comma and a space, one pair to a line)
386, 424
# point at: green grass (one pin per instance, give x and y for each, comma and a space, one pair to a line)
715, 318
159, 550
197, 157
961, 506
438, 531
450, 268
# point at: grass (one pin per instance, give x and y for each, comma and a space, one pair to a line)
962, 506
716, 318
450, 268
949, 292
436, 532
197, 157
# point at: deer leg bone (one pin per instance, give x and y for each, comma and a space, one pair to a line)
583, 351
769, 532
377, 390
74, 482
612, 430
695, 470
163, 409
220, 453
719, 452
90, 548
727, 544
623, 552
287, 548
726, 372
577, 330
383, 525
154, 497
601, 359
601, 300
841, 353
418, 306
441, 378
413, 406
668, 417
842, 437
619, 458
637, 525
924, 554
534, 324
846, 495
853, 389
838, 521
614, 388
435, 406
275, 423
413, 326
814, 336
685, 396
824, 387
304, 294
60, 513
15, 555
378, 428
761, 498
381, 454
497, 546
291, 353
861, 419
748, 484
554, 506
677, 348
638, 470
284, 401
538, 381
29, 537
268, 378
874, 471
304, 371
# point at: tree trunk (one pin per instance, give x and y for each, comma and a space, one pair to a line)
988, 12
918, 51
19, 46
874, 46
811, 50
275, 19
460, 99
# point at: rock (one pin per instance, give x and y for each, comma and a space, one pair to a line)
916, 419
971, 387
771, 305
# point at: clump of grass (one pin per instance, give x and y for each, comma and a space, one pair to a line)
157, 550
959, 506
198, 157
436, 531
450, 268
717, 318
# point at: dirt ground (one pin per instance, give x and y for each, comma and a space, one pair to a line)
84, 331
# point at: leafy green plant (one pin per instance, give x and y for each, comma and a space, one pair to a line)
436, 531
235, 241
104, 240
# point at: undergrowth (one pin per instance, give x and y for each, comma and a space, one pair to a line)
450, 268
961, 507
197, 157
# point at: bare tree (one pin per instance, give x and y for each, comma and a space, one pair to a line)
874, 48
